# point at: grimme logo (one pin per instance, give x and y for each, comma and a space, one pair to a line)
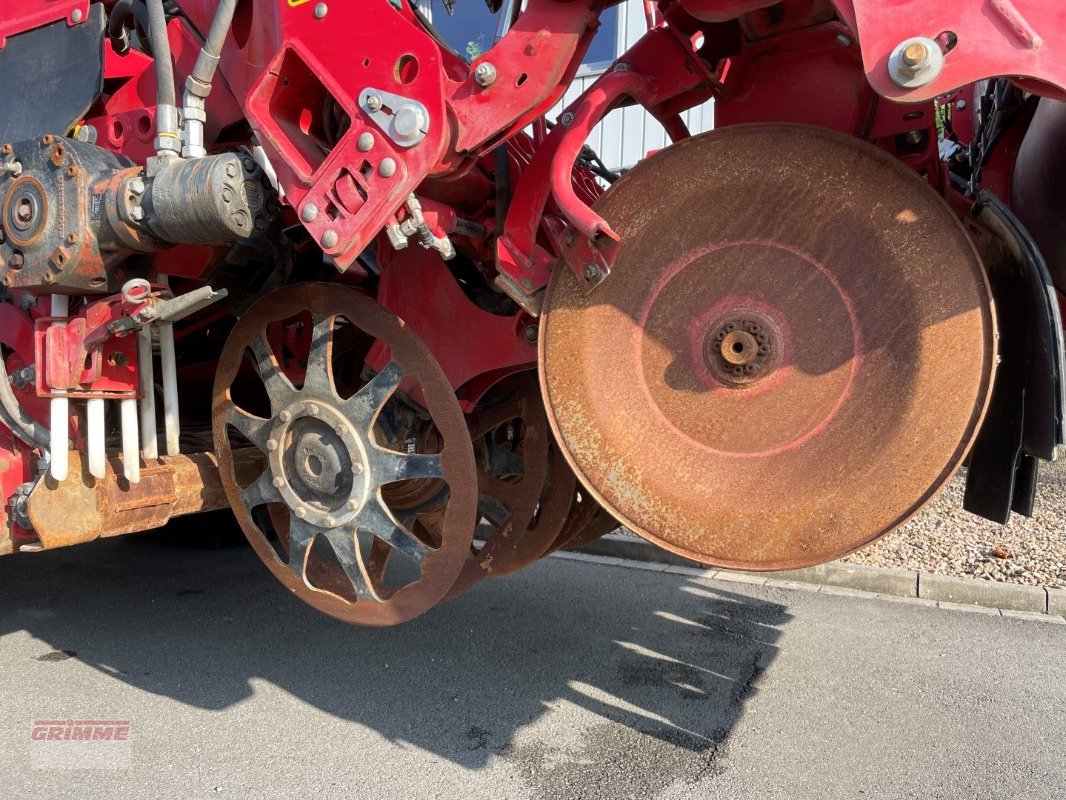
79, 743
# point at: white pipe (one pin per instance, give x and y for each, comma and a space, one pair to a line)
59, 406
96, 437
149, 436
131, 464
169, 367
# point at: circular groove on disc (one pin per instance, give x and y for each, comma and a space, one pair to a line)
791, 356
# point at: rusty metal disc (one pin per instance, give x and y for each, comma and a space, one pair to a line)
601, 524
791, 356
329, 467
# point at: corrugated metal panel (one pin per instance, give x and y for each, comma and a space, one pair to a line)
627, 135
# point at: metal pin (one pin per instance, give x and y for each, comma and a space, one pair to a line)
60, 407
168, 366
131, 462
96, 435
149, 436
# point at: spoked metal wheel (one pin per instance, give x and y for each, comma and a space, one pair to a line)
318, 516
511, 446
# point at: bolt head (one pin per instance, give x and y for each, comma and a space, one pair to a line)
330, 521
485, 74
278, 482
914, 54
137, 214
272, 444
329, 241
365, 141
300, 513
341, 429
284, 416
76, 16
137, 186
591, 272
321, 10
387, 168
567, 118
357, 469
531, 333
312, 409
373, 102
309, 213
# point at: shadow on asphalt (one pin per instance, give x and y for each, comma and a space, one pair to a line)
662, 667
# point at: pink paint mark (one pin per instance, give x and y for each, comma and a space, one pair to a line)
671, 273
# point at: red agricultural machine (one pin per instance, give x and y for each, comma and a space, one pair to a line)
304, 260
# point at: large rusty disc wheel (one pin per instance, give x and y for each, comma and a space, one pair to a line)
330, 470
791, 356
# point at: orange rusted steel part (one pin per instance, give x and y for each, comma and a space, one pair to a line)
788, 360
325, 468
83, 508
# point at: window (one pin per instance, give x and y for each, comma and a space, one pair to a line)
471, 28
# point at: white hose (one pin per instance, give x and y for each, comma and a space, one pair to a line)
96, 433
168, 365
131, 462
149, 435
60, 407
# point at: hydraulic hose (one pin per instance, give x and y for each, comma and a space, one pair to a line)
198, 84
21, 424
168, 141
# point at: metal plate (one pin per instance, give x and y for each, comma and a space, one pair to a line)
879, 333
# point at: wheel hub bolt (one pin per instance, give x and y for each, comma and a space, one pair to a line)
284, 416
272, 444
279, 482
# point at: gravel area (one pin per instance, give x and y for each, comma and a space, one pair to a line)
947, 540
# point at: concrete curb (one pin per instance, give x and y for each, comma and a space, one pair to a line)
838, 578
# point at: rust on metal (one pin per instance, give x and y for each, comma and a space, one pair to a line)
83, 508
880, 345
326, 468
510, 439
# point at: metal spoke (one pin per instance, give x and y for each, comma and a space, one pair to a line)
345, 547
500, 462
255, 429
319, 373
492, 510
365, 404
378, 520
301, 537
260, 491
278, 387
388, 466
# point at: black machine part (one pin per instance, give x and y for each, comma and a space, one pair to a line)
1038, 190
61, 65
73, 213
1026, 415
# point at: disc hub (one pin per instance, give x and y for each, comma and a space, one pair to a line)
319, 463
741, 347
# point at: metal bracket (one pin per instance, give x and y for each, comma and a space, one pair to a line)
404, 120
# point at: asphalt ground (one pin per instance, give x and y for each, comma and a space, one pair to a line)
568, 680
